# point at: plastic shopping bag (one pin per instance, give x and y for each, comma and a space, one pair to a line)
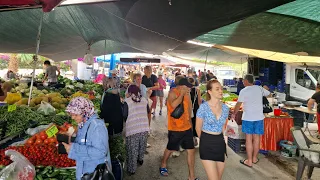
232, 130
19, 169
46, 108
33, 131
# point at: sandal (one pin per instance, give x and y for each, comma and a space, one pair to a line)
163, 171
256, 161
243, 162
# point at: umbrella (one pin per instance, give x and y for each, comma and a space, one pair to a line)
47, 5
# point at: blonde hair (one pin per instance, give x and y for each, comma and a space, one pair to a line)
149, 71
135, 75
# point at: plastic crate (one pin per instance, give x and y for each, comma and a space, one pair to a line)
237, 145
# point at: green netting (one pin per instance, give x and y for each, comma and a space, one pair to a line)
290, 28
128, 26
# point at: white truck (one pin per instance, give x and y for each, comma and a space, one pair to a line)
301, 81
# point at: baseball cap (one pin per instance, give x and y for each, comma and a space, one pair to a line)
184, 82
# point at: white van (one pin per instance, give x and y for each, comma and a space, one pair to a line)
301, 81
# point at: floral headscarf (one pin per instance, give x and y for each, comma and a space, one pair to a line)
81, 106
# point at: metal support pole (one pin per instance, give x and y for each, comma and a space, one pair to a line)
35, 59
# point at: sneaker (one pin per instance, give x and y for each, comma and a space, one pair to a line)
148, 145
160, 113
176, 154
181, 149
196, 142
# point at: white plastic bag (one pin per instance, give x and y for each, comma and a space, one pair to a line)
33, 131
19, 169
46, 108
232, 130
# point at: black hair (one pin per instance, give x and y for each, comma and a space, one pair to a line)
47, 62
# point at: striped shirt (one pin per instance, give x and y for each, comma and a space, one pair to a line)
137, 120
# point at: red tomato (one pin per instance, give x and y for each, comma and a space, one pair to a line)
46, 141
30, 141
38, 141
63, 129
43, 136
37, 136
52, 140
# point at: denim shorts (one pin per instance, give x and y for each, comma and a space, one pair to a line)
253, 127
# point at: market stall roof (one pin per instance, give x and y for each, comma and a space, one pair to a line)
300, 57
192, 52
290, 28
128, 26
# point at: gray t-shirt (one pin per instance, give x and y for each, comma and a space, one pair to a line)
51, 71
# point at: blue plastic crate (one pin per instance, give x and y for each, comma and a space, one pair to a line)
237, 145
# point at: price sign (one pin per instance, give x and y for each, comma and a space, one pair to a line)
12, 108
53, 130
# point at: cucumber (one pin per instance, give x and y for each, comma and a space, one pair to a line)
45, 171
54, 174
39, 177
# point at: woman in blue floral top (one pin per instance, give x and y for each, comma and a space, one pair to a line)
211, 121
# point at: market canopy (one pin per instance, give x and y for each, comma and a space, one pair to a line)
299, 57
290, 28
123, 26
192, 52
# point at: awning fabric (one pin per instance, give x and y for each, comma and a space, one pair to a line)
128, 26
290, 28
47, 5
275, 56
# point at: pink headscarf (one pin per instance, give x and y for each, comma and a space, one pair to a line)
81, 106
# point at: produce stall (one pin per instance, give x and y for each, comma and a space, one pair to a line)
29, 129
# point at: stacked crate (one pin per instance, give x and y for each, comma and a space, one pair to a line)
238, 145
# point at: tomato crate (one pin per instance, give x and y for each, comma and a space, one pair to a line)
237, 145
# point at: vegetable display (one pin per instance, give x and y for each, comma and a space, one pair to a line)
39, 155
39, 149
53, 173
12, 98
18, 120
117, 148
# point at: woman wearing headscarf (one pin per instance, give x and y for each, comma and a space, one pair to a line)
135, 111
90, 147
111, 107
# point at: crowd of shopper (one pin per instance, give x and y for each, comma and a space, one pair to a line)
201, 123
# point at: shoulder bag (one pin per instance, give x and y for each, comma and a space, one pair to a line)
194, 101
265, 103
178, 111
102, 171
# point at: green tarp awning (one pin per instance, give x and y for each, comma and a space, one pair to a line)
290, 28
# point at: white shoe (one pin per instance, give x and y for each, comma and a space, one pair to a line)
148, 145
176, 154
198, 142
181, 149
